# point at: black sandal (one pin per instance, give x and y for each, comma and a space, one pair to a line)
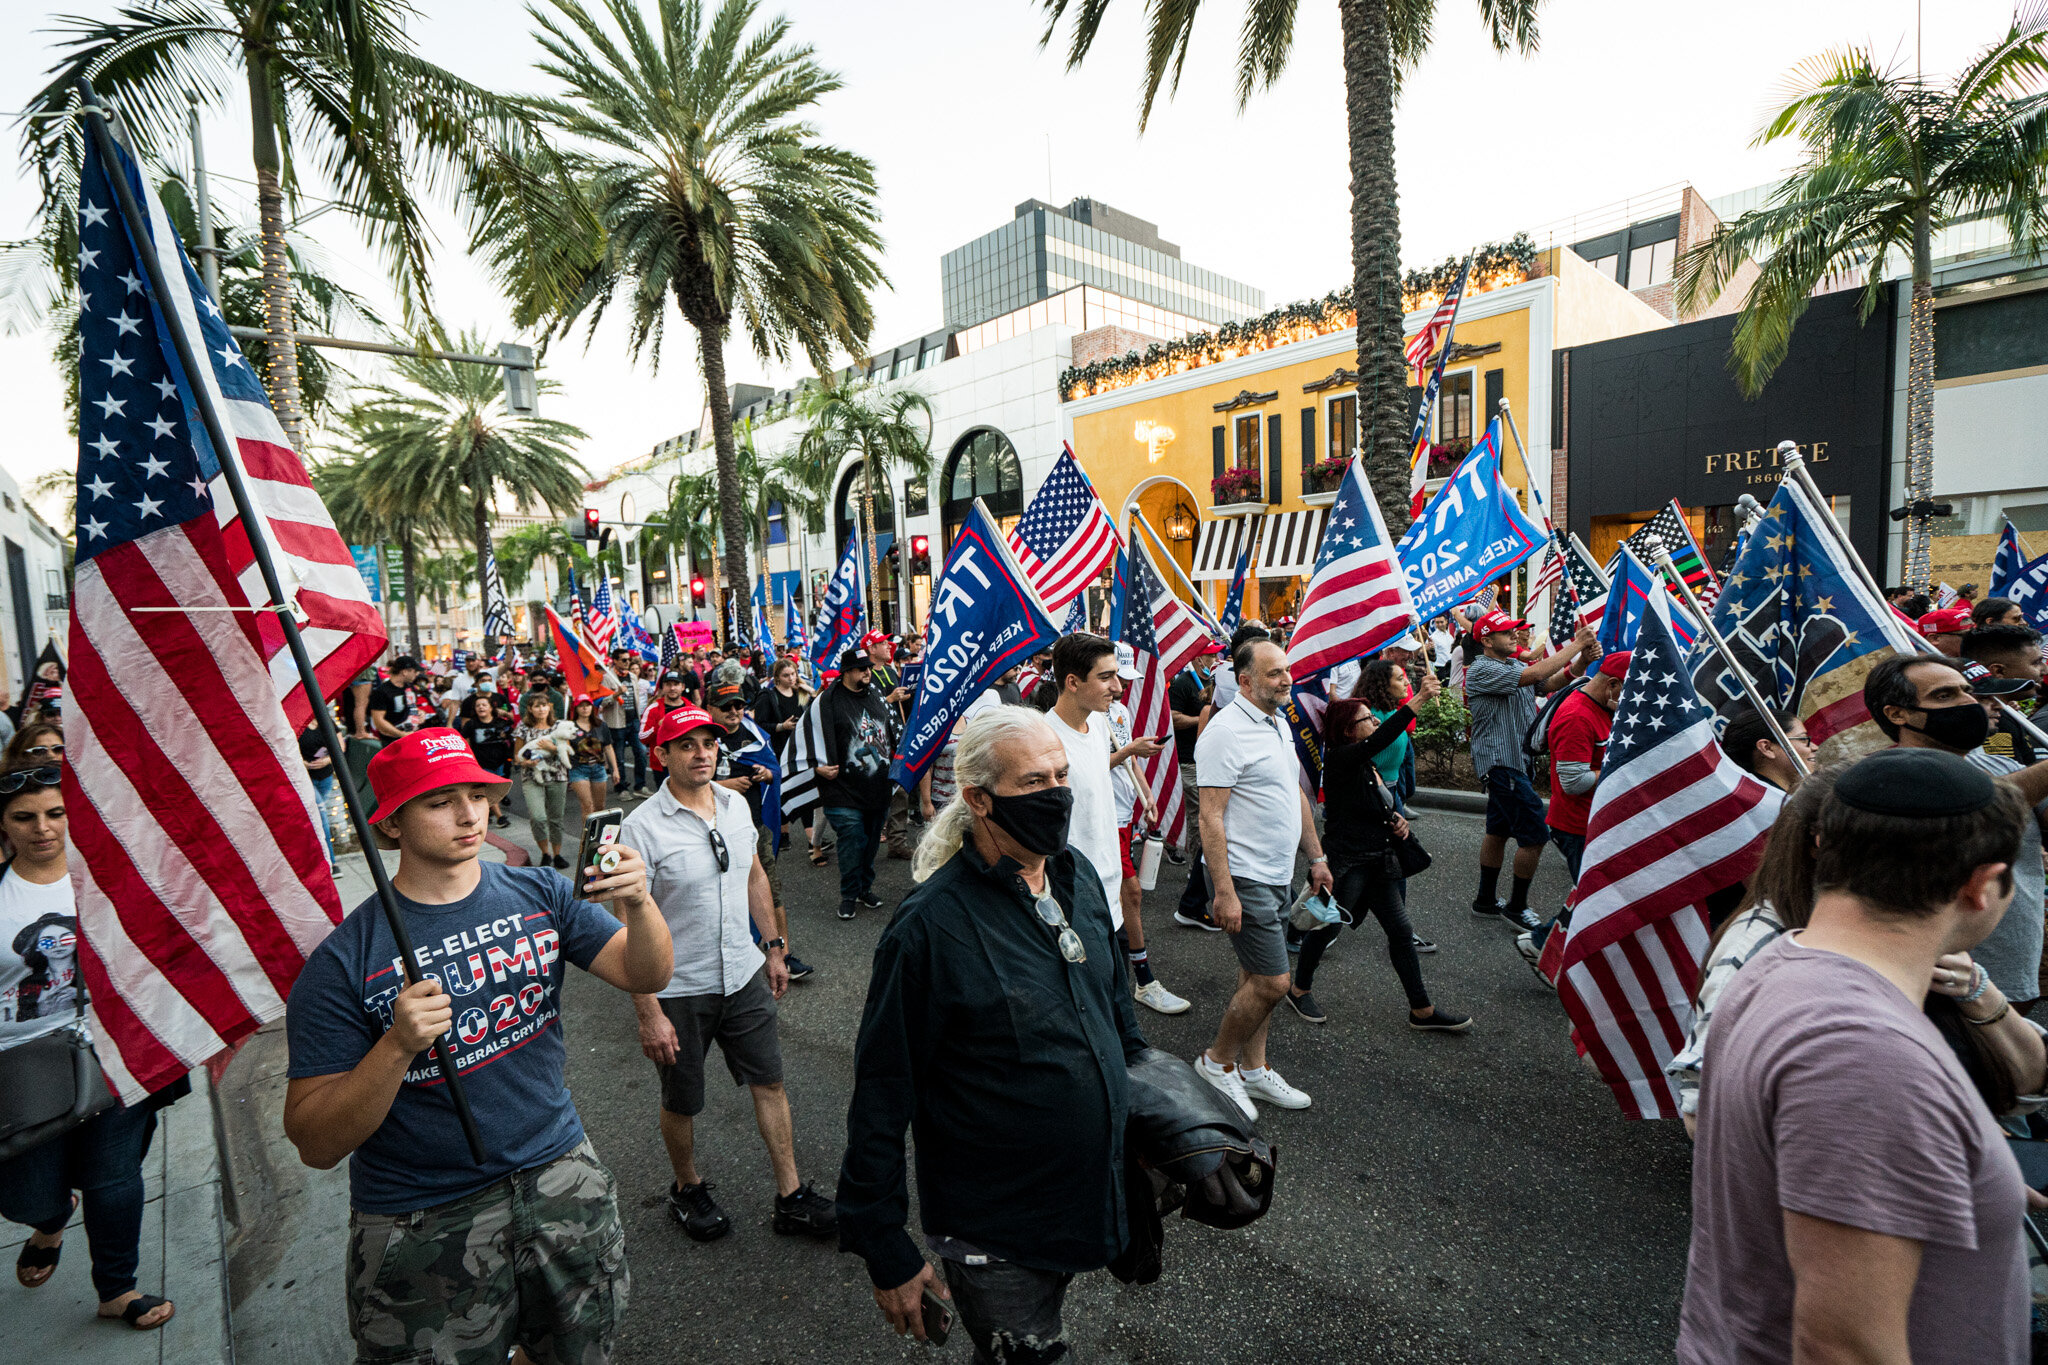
40, 1258
140, 1307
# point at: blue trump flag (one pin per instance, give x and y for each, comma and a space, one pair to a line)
985, 619
1471, 533
2023, 584
764, 638
842, 616
1628, 600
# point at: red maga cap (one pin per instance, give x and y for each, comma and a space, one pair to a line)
1946, 621
1494, 622
681, 721
423, 761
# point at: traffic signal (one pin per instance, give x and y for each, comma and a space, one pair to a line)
590, 524
696, 592
921, 554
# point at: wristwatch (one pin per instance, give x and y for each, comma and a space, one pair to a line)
777, 943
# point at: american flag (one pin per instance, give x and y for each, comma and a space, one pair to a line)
1552, 572
1357, 598
199, 878
1674, 821
1670, 526
1434, 334
1233, 605
633, 635
1589, 585
671, 652
1437, 330
1164, 637
497, 611
1065, 536
601, 622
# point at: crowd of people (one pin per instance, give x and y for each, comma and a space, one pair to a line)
1880, 961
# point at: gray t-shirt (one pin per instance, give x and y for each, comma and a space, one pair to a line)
2012, 955
1502, 711
1828, 1093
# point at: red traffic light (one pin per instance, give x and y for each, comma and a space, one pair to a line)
920, 546
590, 523
697, 591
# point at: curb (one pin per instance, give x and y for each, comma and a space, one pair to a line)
1443, 798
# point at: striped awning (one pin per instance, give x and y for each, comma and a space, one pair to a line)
1218, 544
1291, 542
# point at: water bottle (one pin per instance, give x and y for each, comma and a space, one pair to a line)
1148, 860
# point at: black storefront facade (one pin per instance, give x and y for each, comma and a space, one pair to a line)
1646, 418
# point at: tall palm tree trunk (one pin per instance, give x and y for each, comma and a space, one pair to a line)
867, 501
1920, 404
409, 559
281, 374
732, 518
1376, 253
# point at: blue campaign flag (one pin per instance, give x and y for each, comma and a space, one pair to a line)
763, 636
2012, 577
842, 616
985, 619
1628, 600
633, 634
1800, 622
1471, 533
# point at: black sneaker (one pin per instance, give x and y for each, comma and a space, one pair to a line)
1523, 920
1175, 856
804, 1211
698, 1212
1440, 1021
798, 968
559, 863
1305, 1005
1482, 910
1422, 945
870, 901
1205, 923
503, 822
846, 910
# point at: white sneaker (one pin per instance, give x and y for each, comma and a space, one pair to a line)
1230, 1083
1154, 996
1274, 1089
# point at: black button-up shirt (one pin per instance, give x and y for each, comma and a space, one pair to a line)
1009, 1065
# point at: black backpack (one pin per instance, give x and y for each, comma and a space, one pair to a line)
1536, 739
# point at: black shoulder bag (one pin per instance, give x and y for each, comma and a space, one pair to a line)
50, 1085
1413, 858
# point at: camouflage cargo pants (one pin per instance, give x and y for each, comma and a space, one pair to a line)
537, 1260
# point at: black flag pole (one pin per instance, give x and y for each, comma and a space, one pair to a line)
223, 444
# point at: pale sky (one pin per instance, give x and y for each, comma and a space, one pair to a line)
961, 113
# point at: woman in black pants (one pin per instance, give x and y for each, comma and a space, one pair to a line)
1359, 827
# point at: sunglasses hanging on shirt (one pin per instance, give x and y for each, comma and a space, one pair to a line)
1071, 947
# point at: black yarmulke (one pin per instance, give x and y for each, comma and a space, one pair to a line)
1915, 782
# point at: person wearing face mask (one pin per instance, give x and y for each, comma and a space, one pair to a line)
1923, 702
1019, 1115
854, 788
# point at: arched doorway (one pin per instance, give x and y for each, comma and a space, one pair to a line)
982, 464
849, 516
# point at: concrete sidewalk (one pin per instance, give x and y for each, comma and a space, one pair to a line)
183, 1259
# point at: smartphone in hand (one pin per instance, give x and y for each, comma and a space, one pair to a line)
938, 1318
600, 831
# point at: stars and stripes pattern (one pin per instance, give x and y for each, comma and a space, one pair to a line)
633, 634
1065, 536
601, 622
671, 652
2020, 581
1588, 583
1552, 572
1673, 821
1164, 637
497, 609
1670, 526
1436, 332
1357, 599
199, 877
1233, 605
1433, 339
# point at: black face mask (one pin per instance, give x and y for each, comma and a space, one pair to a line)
1961, 728
1036, 820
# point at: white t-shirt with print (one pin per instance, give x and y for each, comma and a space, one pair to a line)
38, 958
1092, 828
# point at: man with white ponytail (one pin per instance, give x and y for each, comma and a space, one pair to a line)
998, 1017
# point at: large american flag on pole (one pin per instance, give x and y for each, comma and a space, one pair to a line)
601, 623
1164, 637
1357, 598
1065, 536
199, 877
1674, 821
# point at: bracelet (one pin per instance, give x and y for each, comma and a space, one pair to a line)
1319, 858
1979, 984
2003, 1010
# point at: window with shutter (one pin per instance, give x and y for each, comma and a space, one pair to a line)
1308, 437
1273, 458
1222, 455
1496, 389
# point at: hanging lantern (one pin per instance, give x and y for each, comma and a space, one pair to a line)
1180, 522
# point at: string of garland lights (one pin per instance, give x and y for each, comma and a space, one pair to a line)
1496, 266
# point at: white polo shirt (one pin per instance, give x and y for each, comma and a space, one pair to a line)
1092, 829
706, 909
1249, 752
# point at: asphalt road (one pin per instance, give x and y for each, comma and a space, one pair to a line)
1472, 1197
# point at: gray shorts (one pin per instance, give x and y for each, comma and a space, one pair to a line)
1261, 939
743, 1025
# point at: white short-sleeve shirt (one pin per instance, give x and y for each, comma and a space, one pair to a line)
706, 909
1249, 752
1092, 828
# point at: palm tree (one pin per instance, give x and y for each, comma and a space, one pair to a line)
888, 429
689, 172
1891, 159
520, 550
444, 423
334, 84
1383, 41
375, 500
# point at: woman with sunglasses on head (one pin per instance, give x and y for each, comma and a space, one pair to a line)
38, 742
100, 1159
592, 763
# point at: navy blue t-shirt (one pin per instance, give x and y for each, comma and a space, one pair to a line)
500, 952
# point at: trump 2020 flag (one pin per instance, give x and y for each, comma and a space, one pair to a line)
1471, 533
198, 878
843, 612
2023, 584
985, 618
1357, 599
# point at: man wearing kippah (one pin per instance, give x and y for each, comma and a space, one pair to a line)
1852, 1192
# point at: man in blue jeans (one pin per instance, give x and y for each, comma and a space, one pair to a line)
853, 786
622, 724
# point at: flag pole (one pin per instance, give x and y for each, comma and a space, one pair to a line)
259, 545
1208, 618
1592, 564
1795, 468
1660, 555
